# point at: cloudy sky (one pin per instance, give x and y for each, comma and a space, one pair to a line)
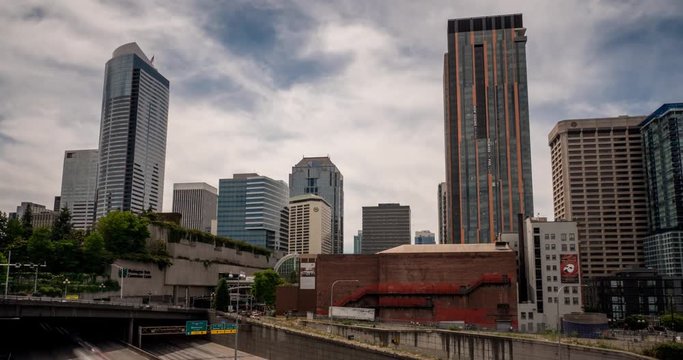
257, 85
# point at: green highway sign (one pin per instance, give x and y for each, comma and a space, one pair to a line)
223, 328
196, 327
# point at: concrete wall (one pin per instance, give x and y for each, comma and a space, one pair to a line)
458, 345
275, 343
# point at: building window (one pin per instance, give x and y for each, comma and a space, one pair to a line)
571, 236
572, 247
556, 300
575, 289
552, 236
550, 300
547, 278
564, 247
547, 246
547, 267
575, 300
563, 237
554, 257
555, 289
523, 315
531, 315
554, 278
550, 289
555, 267
547, 236
547, 257
552, 246
566, 301
566, 290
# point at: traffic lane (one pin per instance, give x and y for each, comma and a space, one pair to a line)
187, 349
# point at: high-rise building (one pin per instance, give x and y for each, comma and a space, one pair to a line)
597, 172
385, 226
254, 208
663, 152
488, 159
319, 176
132, 151
35, 208
424, 237
79, 182
57, 204
552, 265
310, 225
196, 203
443, 215
357, 242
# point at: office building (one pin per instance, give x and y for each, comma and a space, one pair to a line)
310, 225
79, 182
488, 159
443, 215
44, 219
57, 204
254, 208
424, 237
385, 226
196, 203
597, 172
552, 272
357, 242
21, 209
319, 176
637, 291
132, 151
663, 161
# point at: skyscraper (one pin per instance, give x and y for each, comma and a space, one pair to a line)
196, 202
310, 230
79, 181
385, 226
597, 172
254, 208
132, 134
319, 176
663, 155
443, 214
488, 160
424, 237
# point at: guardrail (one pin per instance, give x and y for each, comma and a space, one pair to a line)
45, 299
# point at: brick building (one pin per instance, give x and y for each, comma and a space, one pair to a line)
474, 283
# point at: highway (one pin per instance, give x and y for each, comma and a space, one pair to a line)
178, 348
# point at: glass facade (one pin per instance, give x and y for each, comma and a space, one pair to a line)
132, 134
319, 176
662, 133
488, 158
79, 180
254, 209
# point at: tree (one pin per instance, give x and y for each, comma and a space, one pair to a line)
264, 286
94, 253
14, 230
27, 222
222, 298
123, 232
673, 322
636, 322
4, 240
39, 246
62, 228
67, 256
3, 270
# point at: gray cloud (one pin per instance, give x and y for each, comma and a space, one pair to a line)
257, 85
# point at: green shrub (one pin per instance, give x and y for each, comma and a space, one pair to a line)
666, 351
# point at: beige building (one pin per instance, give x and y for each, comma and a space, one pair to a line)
310, 230
597, 170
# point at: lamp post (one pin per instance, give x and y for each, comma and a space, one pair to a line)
66, 283
121, 277
332, 294
35, 279
239, 276
9, 263
559, 324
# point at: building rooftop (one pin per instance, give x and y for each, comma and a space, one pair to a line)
483, 23
315, 162
661, 112
131, 48
307, 197
448, 248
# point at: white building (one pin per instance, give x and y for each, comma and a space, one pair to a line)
550, 262
79, 182
310, 230
196, 202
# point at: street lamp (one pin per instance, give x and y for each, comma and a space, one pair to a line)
239, 276
66, 283
35, 279
332, 293
559, 324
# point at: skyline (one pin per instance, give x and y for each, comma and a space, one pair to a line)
256, 86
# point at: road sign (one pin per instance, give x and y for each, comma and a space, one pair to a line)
223, 328
197, 327
72, 296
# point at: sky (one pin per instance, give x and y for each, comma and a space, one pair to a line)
257, 85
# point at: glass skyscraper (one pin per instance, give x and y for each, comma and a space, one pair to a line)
79, 180
662, 149
319, 176
132, 134
486, 116
254, 209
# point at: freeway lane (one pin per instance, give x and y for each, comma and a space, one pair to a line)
178, 348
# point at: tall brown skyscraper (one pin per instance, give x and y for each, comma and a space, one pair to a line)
598, 181
488, 159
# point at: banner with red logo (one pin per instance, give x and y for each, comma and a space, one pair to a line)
569, 268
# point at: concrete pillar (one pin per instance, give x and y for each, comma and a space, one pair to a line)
130, 331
